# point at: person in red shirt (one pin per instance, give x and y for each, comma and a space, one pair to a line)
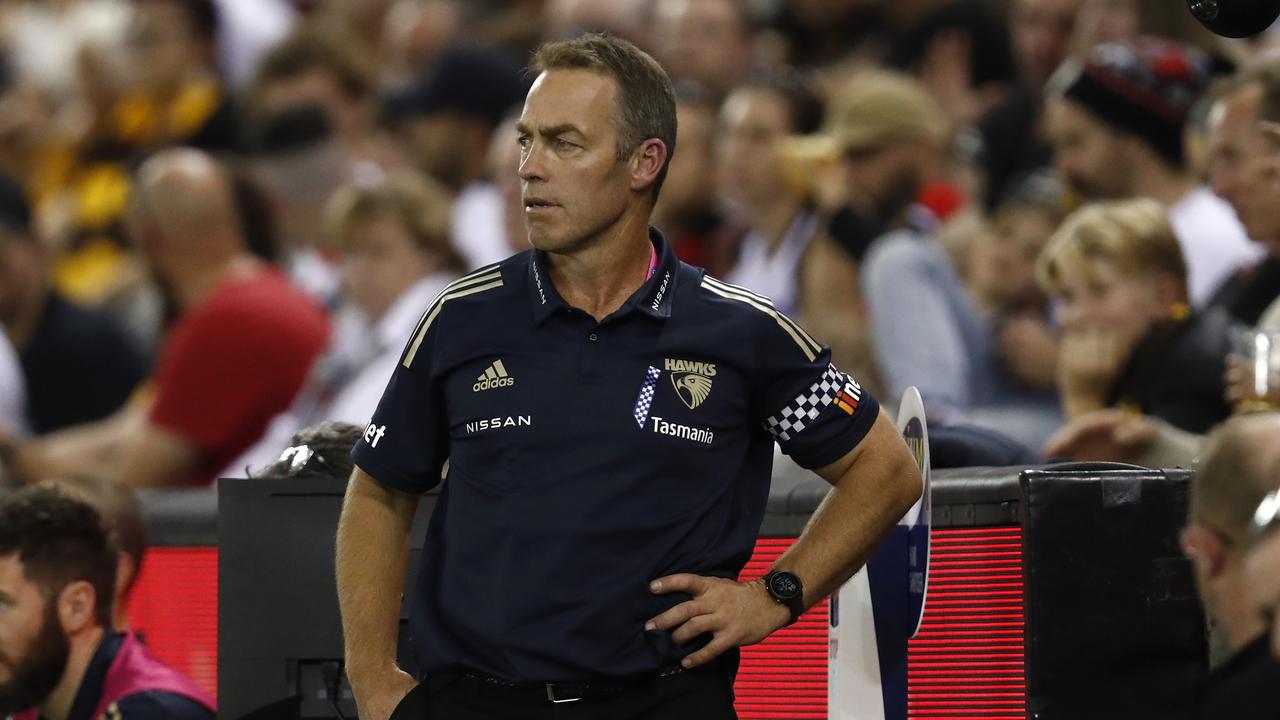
239, 349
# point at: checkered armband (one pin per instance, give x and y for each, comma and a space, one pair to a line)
833, 389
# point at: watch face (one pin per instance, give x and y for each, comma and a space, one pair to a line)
784, 585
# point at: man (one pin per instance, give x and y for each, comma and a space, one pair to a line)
607, 414
1243, 171
241, 346
80, 364
1116, 123
1241, 464
926, 330
59, 657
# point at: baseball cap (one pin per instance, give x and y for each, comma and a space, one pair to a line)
474, 80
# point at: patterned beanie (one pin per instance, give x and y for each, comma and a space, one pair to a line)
1144, 87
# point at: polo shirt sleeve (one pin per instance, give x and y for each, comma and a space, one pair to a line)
405, 444
815, 412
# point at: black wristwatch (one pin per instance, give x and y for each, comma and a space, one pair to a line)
787, 590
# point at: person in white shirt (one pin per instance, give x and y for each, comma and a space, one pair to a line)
397, 256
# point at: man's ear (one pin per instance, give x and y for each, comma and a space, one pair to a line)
77, 607
647, 162
1205, 549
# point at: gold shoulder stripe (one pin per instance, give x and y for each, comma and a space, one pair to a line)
479, 276
738, 288
779, 318
461, 288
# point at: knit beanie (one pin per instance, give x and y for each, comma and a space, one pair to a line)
1144, 87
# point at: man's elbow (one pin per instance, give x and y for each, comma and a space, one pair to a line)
907, 484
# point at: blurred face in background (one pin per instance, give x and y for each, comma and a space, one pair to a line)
380, 261
753, 122
1242, 167
690, 187
1091, 157
1003, 257
314, 86
1094, 295
504, 170
707, 41
1041, 32
165, 49
884, 180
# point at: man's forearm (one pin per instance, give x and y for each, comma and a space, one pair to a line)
372, 552
864, 504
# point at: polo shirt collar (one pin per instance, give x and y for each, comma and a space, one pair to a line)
654, 298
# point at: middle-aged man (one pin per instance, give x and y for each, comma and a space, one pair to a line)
239, 350
59, 657
608, 414
1240, 465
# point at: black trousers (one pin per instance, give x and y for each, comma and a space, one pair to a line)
700, 694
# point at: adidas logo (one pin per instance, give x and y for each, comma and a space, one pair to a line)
494, 376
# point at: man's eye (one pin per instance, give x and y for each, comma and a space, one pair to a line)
562, 144
523, 141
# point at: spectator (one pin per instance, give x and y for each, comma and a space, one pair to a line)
1243, 171
1001, 275
312, 132
1129, 337
396, 258
687, 212
1116, 121
79, 363
1240, 466
57, 574
708, 42
926, 331
446, 120
1009, 142
236, 356
780, 217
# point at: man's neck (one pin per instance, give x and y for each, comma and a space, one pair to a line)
58, 705
1166, 185
601, 277
198, 281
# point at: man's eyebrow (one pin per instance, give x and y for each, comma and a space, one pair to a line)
551, 131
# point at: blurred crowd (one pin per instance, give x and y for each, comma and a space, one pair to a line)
220, 219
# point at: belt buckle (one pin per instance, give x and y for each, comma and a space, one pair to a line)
551, 695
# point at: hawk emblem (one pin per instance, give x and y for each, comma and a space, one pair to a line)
692, 388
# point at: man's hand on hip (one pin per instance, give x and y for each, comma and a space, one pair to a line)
734, 613
378, 697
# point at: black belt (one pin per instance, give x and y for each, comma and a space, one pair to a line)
558, 692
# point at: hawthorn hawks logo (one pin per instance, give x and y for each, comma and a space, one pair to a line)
691, 380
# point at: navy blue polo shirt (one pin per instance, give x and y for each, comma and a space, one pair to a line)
587, 459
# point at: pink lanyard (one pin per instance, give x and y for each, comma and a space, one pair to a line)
653, 262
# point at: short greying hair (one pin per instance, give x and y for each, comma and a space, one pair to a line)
646, 100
